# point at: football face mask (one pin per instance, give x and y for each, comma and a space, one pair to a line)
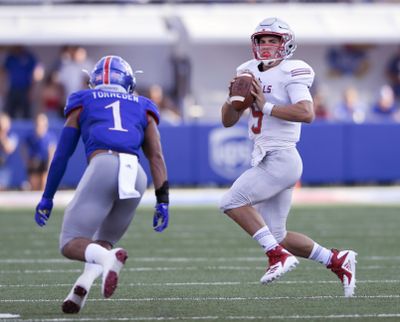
269, 47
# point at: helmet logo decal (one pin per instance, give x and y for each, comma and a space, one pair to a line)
106, 69
115, 71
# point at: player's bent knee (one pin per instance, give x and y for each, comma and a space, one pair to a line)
224, 203
231, 201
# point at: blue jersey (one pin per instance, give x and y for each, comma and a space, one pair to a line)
111, 120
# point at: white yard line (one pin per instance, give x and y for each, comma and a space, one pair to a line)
175, 259
8, 316
190, 284
221, 318
186, 268
207, 299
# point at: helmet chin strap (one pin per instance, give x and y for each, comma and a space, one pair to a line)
270, 62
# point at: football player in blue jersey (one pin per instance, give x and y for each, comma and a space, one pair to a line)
114, 125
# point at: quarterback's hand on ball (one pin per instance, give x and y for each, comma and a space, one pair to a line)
43, 211
161, 217
258, 94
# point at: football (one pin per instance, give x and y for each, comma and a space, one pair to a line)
240, 92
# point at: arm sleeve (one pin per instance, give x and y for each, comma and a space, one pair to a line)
299, 92
74, 101
151, 109
65, 148
298, 72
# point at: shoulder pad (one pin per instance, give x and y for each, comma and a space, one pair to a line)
248, 66
74, 101
297, 71
150, 108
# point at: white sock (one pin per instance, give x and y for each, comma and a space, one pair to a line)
320, 254
96, 254
90, 273
265, 238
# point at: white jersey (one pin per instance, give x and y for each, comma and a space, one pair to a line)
268, 132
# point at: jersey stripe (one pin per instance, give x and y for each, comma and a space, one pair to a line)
300, 71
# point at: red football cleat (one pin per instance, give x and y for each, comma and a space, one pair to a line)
343, 264
280, 262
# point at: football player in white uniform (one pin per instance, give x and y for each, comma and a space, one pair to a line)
260, 199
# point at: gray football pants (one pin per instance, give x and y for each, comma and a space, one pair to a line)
268, 187
96, 212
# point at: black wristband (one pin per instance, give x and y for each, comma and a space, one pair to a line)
162, 193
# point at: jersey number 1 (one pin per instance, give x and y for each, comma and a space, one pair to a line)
116, 116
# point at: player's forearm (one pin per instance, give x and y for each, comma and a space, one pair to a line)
300, 112
158, 170
159, 174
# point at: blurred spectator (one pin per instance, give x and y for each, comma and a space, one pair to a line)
8, 144
384, 109
168, 111
350, 60
52, 98
73, 61
393, 74
182, 70
350, 109
40, 146
21, 69
321, 109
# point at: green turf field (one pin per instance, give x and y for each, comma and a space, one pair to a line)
203, 267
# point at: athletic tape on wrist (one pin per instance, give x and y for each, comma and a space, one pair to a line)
267, 108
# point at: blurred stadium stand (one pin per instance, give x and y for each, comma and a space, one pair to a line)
215, 36
151, 36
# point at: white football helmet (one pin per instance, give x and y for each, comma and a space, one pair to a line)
273, 27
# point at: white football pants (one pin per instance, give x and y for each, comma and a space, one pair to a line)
96, 212
268, 187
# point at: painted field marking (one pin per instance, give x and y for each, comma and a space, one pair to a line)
205, 299
227, 283
184, 268
8, 316
174, 259
221, 318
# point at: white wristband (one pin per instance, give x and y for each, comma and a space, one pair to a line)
228, 100
267, 108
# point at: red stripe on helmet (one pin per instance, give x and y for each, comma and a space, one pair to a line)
106, 70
